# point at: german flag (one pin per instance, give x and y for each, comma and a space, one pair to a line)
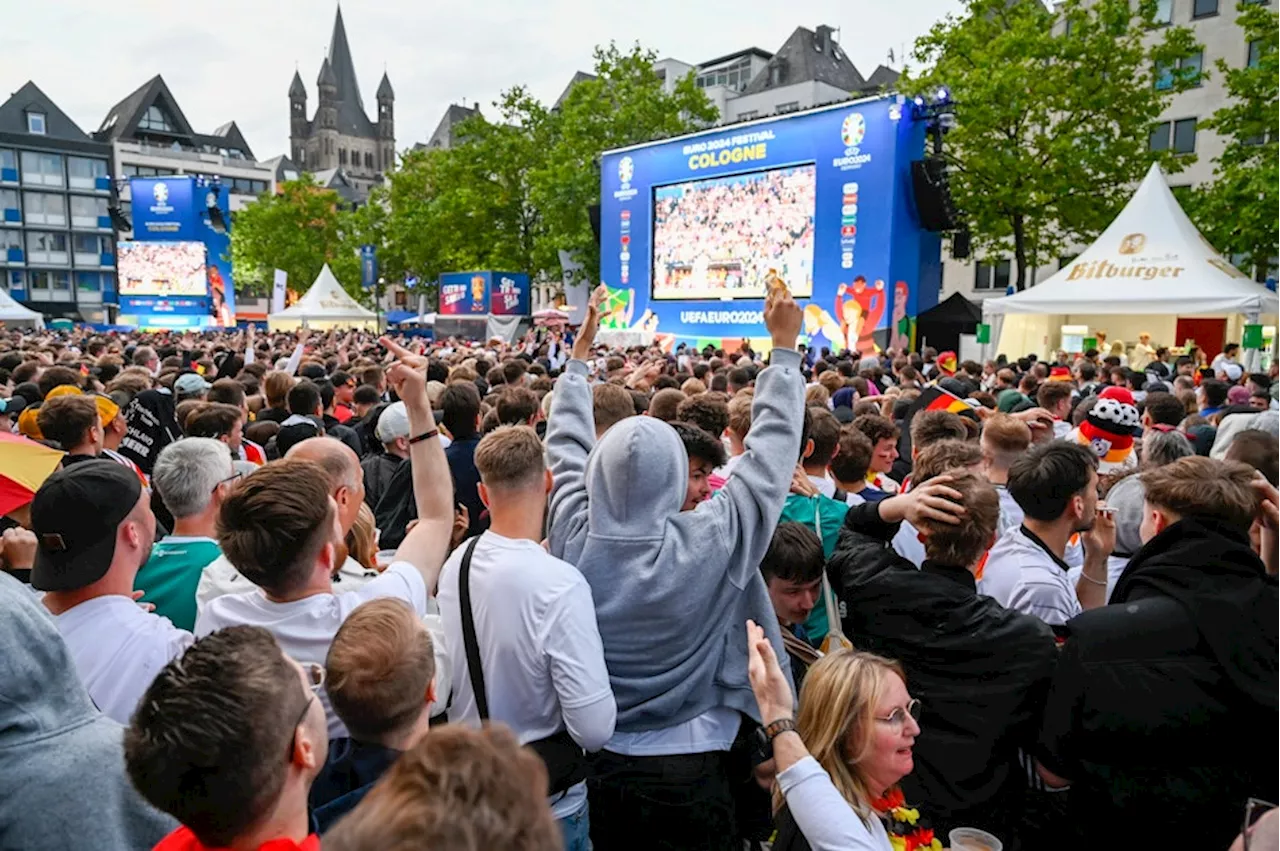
937, 399
1059, 373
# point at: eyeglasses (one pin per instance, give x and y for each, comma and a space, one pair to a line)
228, 480
898, 716
1254, 809
314, 675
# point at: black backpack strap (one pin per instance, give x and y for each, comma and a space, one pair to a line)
472, 647
840, 494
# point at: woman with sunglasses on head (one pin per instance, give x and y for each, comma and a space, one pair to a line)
838, 763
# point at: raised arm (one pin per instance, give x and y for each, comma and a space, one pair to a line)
295, 357
427, 543
571, 432
249, 353
748, 506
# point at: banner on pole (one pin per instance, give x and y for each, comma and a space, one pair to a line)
278, 288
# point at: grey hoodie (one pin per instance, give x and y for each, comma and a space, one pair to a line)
672, 589
63, 784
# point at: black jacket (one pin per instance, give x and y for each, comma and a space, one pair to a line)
979, 670
378, 471
1163, 709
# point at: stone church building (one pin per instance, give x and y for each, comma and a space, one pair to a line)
341, 135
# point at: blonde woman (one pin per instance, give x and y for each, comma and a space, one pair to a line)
362, 540
839, 763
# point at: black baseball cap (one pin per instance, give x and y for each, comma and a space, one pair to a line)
75, 515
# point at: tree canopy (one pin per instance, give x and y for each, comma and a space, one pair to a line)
1054, 115
1237, 210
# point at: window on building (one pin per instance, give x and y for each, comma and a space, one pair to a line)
1203, 8
35, 123
83, 173
88, 282
342, 156
17, 279
39, 279
47, 243
1253, 57
155, 118
1187, 68
91, 245
41, 169
749, 114
1178, 136
45, 208
789, 106
368, 160
734, 76
1164, 12
10, 239
60, 280
8, 160
86, 210
9, 201
992, 277
1184, 136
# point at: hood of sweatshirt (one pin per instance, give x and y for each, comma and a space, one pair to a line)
40, 693
637, 477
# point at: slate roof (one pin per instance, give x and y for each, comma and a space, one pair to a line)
578, 77
58, 126
121, 122
803, 59
443, 137
352, 120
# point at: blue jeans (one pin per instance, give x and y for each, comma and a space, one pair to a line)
576, 829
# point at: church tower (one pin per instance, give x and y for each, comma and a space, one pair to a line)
298, 124
386, 125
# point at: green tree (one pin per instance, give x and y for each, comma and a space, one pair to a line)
298, 230
624, 104
1237, 210
1054, 112
512, 193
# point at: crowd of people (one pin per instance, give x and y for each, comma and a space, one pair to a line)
723, 236
293, 591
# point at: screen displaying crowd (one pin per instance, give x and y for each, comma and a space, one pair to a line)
721, 237
162, 269
273, 591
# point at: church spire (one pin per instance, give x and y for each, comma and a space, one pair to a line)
344, 69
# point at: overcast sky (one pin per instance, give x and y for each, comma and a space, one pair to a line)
234, 59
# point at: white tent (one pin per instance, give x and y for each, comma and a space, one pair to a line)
12, 313
325, 305
1151, 262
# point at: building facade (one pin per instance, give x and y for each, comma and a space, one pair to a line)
341, 135
57, 250
149, 136
1214, 24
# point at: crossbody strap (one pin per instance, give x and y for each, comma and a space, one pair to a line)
472, 647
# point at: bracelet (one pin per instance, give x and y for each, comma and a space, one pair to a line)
1089, 578
426, 435
777, 728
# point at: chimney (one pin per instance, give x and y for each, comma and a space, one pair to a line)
824, 39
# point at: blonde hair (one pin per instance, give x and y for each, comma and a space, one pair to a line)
362, 540
816, 394
510, 458
837, 720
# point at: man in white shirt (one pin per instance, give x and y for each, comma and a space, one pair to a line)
281, 529
94, 528
541, 661
1056, 486
342, 468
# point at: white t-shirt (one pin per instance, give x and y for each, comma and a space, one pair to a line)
906, 543
825, 486
118, 649
1020, 574
539, 643
305, 628
1010, 512
220, 577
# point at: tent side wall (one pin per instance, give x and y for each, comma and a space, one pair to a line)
1025, 333
289, 323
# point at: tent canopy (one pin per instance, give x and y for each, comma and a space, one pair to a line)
326, 304
1150, 260
12, 313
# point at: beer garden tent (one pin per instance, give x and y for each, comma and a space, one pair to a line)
326, 305
1150, 266
14, 314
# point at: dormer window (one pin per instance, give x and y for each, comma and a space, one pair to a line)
35, 123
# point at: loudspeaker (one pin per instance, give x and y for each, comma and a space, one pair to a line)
960, 245
593, 213
932, 194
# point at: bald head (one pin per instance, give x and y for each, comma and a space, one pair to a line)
341, 467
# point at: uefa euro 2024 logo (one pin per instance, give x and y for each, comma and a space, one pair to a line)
161, 192
853, 130
626, 170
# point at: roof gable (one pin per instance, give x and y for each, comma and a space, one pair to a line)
808, 56
29, 98
123, 119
